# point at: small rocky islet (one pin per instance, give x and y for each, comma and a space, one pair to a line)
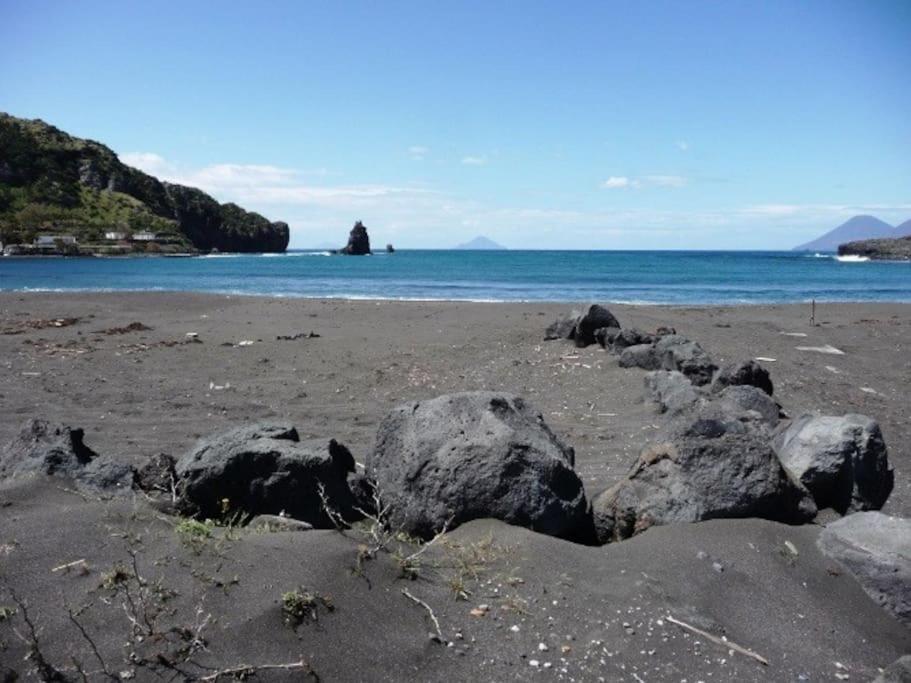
723, 451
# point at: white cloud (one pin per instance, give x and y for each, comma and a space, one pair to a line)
615, 182
146, 161
418, 152
683, 145
474, 161
623, 182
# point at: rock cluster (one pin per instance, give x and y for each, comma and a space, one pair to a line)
721, 451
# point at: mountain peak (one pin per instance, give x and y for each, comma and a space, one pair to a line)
480, 242
856, 228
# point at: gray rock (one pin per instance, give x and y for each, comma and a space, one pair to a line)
605, 336
876, 549
640, 356
476, 455
678, 353
898, 671
671, 390
358, 241
743, 398
47, 448
563, 327
106, 474
700, 469
265, 469
748, 373
842, 460
630, 337
593, 319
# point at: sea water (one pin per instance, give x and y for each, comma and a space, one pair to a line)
642, 277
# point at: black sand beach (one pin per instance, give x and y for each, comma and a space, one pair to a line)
554, 609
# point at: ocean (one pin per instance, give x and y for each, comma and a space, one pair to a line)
640, 277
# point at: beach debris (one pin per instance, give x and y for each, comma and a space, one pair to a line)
300, 335
874, 548
265, 469
766, 359
827, 349
167, 343
10, 327
132, 327
81, 565
246, 342
438, 634
842, 460
426, 463
833, 369
723, 642
794, 334
67, 349
192, 335
791, 548
219, 387
869, 390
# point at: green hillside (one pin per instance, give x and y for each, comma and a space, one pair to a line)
52, 181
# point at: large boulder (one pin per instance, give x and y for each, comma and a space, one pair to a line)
876, 549
748, 373
701, 468
475, 455
593, 319
843, 461
265, 469
47, 448
358, 241
641, 356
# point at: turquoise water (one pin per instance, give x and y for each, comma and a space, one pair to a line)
656, 277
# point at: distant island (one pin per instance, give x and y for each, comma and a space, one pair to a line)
854, 229
480, 242
61, 194
885, 249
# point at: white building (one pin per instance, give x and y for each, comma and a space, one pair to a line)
53, 240
115, 236
144, 237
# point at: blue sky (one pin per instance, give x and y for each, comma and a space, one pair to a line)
541, 125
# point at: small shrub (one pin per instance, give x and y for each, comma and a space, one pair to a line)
300, 606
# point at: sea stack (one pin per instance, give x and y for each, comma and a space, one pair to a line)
358, 241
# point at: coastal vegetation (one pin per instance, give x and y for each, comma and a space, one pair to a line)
51, 181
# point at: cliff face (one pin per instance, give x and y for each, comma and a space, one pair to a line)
52, 180
898, 249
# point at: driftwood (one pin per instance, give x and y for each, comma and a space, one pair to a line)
719, 641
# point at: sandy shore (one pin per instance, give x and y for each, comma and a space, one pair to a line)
136, 396
510, 604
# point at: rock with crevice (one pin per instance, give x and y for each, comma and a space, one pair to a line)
455, 458
843, 460
265, 469
701, 468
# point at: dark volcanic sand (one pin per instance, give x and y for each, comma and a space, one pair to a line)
136, 397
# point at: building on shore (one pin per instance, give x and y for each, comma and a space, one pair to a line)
144, 237
115, 236
52, 241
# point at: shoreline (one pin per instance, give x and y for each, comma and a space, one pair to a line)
518, 302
